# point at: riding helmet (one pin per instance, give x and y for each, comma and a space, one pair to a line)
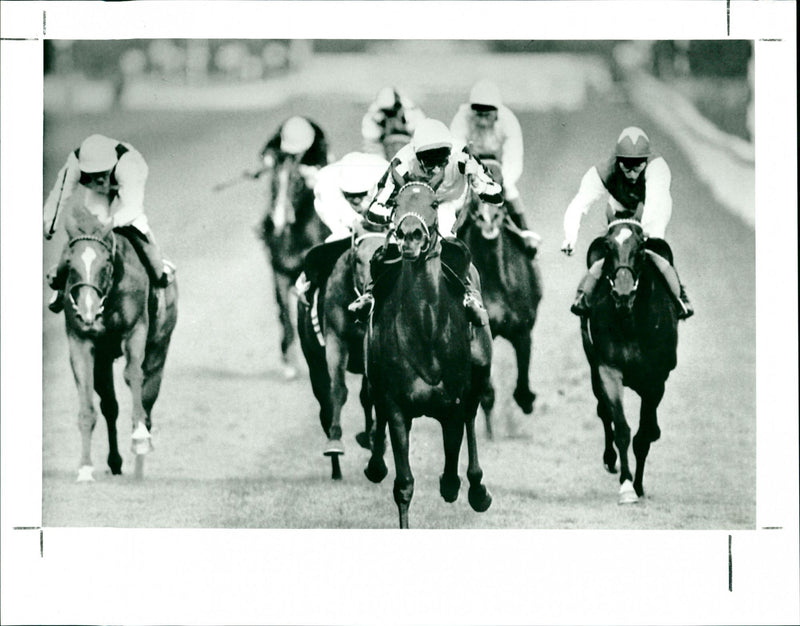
97, 154
485, 94
297, 135
431, 134
359, 171
633, 143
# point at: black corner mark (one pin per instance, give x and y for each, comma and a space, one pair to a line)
730, 563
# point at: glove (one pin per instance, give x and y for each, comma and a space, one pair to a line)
471, 167
309, 173
568, 247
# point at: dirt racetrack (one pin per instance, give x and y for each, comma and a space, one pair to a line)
237, 446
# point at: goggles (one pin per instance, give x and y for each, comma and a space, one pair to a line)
94, 178
483, 110
432, 159
354, 198
631, 164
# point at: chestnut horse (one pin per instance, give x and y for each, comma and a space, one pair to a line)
421, 357
630, 339
111, 310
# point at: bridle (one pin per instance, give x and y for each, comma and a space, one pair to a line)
613, 277
430, 238
112, 249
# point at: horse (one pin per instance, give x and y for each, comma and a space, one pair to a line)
289, 230
511, 290
630, 339
335, 345
111, 310
421, 355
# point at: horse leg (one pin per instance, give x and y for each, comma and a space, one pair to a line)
81, 357
337, 361
487, 404
134, 347
104, 386
609, 453
452, 435
648, 432
282, 287
376, 469
523, 395
479, 497
611, 385
399, 428
364, 439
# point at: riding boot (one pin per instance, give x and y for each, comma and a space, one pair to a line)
57, 280
160, 270
473, 301
686, 310
516, 222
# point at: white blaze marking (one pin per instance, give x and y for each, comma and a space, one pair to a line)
623, 235
88, 257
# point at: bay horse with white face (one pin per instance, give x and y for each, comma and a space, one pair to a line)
332, 341
630, 339
420, 359
111, 310
289, 229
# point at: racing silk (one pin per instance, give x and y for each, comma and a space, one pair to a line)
503, 140
316, 156
331, 206
123, 204
648, 198
462, 168
375, 125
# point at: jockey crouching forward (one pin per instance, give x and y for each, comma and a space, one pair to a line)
436, 158
391, 113
342, 194
111, 176
636, 183
491, 130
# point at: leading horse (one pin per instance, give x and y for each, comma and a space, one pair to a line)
630, 339
511, 287
331, 340
110, 310
289, 229
421, 357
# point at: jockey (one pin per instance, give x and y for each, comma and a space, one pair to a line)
491, 130
436, 158
297, 138
342, 194
635, 181
390, 113
110, 175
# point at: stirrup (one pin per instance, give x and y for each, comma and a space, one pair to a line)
686, 310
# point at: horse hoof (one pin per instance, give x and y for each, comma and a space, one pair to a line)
525, 399
363, 439
449, 488
479, 498
290, 372
627, 494
376, 472
334, 447
85, 474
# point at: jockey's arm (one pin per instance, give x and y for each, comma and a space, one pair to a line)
512, 153
658, 200
131, 174
67, 182
414, 115
331, 207
590, 191
459, 126
371, 127
479, 179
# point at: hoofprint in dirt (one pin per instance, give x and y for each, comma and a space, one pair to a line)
238, 446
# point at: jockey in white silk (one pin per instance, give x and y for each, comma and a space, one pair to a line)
390, 111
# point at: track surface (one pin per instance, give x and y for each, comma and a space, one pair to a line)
237, 446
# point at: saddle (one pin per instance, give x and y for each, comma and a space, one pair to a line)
319, 260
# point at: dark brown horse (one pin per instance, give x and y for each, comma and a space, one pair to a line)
111, 310
332, 342
420, 356
289, 229
511, 289
630, 340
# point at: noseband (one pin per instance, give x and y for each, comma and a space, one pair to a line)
112, 251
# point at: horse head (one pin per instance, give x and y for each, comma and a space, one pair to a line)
488, 217
414, 219
287, 187
625, 257
365, 242
91, 251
